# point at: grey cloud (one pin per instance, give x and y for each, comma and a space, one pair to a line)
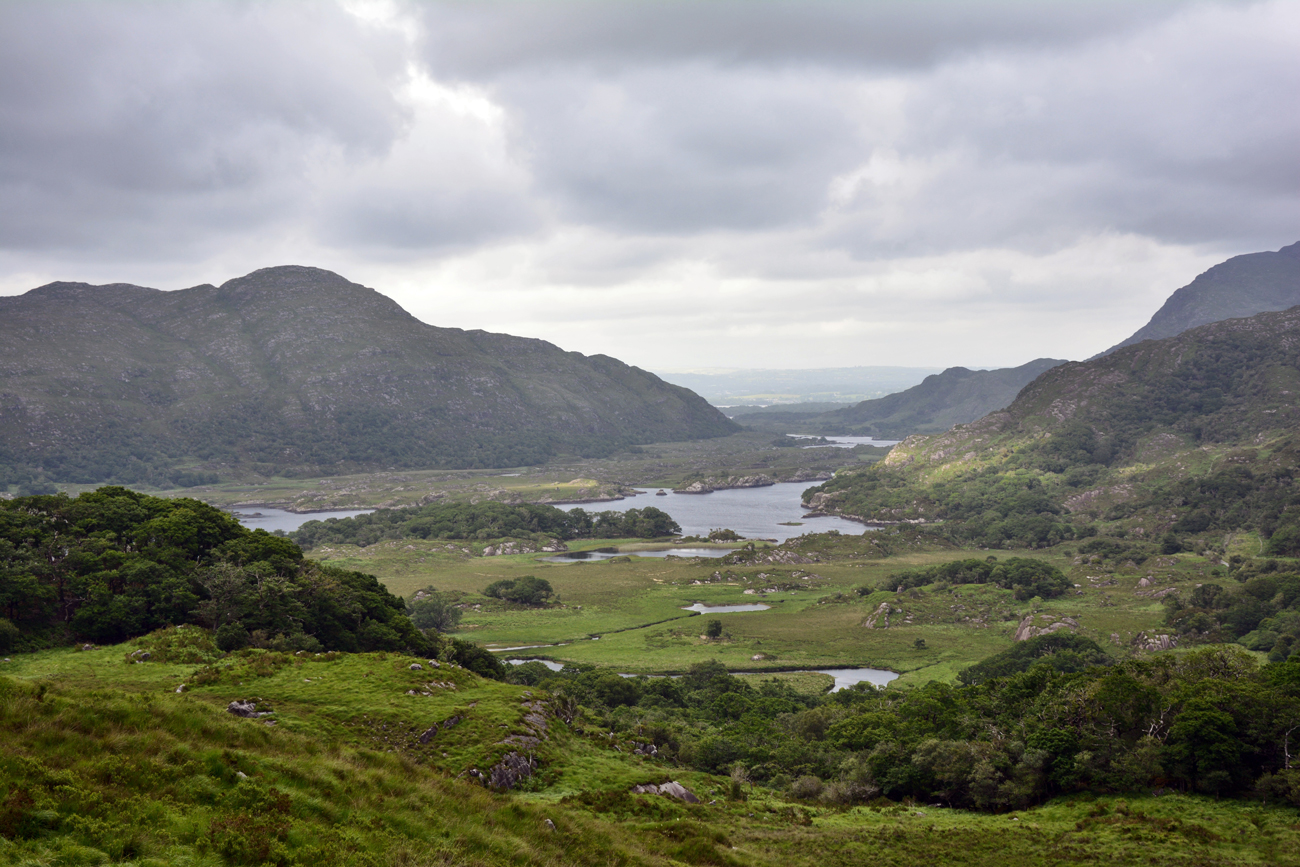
489, 37
120, 122
682, 148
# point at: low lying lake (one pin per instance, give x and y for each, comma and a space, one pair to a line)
772, 512
270, 520
610, 553
725, 609
846, 442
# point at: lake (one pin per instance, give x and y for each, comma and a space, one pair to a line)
611, 553
755, 513
847, 442
270, 520
724, 609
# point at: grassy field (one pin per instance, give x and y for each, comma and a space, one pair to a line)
627, 612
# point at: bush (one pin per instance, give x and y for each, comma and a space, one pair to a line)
528, 590
806, 788
232, 637
9, 636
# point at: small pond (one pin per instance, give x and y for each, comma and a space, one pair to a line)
270, 520
725, 609
553, 666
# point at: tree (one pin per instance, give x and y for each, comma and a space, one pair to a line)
528, 590
429, 609
714, 629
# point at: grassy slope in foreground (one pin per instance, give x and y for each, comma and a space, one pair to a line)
101, 762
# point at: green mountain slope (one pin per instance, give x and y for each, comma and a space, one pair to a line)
1145, 434
956, 396
1241, 286
296, 368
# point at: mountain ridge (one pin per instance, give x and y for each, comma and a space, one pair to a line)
300, 370
1235, 288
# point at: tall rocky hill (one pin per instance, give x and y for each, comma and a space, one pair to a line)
956, 396
1101, 438
1241, 286
295, 369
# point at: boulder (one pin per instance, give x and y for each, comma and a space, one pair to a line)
247, 709
672, 789
1047, 624
510, 772
881, 616
1154, 643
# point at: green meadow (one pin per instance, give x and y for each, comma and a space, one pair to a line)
627, 613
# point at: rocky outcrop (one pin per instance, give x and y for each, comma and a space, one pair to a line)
672, 789
880, 617
524, 546
1046, 625
247, 709
709, 485
1154, 643
507, 773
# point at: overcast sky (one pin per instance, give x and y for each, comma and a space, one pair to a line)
678, 184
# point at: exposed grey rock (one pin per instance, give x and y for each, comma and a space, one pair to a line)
415, 666
1048, 623
510, 771
881, 616
1154, 643
247, 709
672, 789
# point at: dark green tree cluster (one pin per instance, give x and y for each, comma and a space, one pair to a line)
113, 564
526, 590
1260, 613
988, 508
431, 610
1026, 577
483, 521
1035, 722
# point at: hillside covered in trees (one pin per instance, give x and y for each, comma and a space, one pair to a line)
293, 371
114, 564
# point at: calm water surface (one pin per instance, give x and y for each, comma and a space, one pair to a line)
755, 513
848, 442
270, 520
610, 553
724, 609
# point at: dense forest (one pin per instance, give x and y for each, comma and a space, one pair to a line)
113, 564
490, 520
1050, 716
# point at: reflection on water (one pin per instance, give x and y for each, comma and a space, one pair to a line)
845, 442
755, 513
610, 553
270, 520
844, 677
553, 666
724, 609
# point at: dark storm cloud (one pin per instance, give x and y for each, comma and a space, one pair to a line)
865, 180
130, 124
